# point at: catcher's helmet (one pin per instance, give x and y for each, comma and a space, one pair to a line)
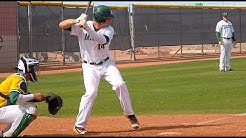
29, 65
102, 12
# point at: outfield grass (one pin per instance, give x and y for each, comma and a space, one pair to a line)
181, 88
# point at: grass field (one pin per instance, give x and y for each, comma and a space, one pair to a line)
195, 87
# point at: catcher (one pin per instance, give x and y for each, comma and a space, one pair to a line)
18, 106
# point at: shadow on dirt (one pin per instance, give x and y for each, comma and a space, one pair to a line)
124, 133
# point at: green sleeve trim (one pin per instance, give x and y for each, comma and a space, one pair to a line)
13, 96
23, 87
218, 36
233, 37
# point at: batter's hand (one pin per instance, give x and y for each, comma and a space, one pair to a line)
83, 24
220, 43
81, 20
81, 17
234, 44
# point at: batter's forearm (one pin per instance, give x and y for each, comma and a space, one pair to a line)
218, 36
97, 36
67, 23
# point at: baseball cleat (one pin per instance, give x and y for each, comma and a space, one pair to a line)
133, 121
228, 70
80, 131
23, 135
221, 70
135, 126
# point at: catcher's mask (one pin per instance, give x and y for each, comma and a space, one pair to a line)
102, 12
29, 65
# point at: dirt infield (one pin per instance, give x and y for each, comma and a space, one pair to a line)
150, 125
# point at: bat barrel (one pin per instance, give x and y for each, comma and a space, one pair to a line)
88, 5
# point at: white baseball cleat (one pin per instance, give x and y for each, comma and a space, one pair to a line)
80, 131
133, 121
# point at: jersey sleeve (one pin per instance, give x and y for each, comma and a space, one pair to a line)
110, 33
218, 28
74, 30
218, 36
232, 28
13, 96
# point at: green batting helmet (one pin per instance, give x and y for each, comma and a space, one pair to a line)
102, 12
224, 14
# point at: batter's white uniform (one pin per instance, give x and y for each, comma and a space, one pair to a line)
225, 29
94, 53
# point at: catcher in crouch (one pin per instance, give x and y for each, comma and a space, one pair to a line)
17, 105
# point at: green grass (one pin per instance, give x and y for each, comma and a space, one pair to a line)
182, 88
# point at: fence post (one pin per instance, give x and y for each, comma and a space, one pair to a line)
30, 28
132, 31
240, 31
63, 37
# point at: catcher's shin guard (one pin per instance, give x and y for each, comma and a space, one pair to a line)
19, 125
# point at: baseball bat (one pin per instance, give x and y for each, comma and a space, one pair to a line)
88, 6
86, 10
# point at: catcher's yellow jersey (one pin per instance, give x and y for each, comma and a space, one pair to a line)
14, 83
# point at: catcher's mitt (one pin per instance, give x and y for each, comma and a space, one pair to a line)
54, 102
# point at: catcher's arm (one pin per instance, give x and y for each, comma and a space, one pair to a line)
38, 97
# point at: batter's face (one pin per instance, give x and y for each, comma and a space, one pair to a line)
103, 24
106, 23
225, 18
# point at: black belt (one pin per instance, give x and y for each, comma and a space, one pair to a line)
226, 38
100, 63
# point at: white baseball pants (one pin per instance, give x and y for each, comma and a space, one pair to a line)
225, 54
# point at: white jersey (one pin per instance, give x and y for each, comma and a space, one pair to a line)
92, 51
225, 29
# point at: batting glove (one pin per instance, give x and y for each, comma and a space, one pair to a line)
83, 24
81, 17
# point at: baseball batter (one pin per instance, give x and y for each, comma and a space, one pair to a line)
17, 107
226, 38
94, 41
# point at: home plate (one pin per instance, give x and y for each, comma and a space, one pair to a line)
169, 133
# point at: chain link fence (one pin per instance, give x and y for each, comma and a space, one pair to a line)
143, 32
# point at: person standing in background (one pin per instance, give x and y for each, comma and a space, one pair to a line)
226, 39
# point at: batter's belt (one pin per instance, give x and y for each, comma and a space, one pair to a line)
226, 38
99, 63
